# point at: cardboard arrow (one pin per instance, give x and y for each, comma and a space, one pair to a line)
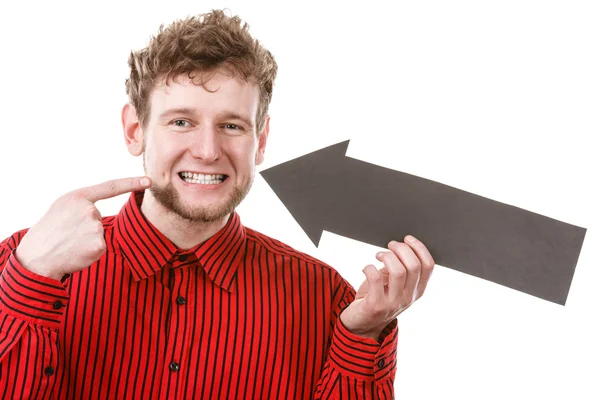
522, 250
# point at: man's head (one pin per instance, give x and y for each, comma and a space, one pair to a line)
199, 95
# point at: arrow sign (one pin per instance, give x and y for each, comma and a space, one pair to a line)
525, 251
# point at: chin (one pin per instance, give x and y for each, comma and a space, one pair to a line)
205, 212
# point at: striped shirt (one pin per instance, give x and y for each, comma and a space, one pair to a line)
240, 316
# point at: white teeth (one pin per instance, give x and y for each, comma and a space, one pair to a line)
203, 179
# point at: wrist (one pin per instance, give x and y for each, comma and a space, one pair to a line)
368, 332
371, 334
37, 268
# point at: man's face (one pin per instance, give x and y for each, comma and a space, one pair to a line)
201, 147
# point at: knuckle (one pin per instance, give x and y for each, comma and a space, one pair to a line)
397, 273
376, 278
429, 265
388, 256
413, 267
112, 187
399, 246
90, 210
99, 246
99, 228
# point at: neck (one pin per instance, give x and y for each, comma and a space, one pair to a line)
184, 233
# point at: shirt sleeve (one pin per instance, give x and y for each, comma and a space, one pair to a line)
358, 367
31, 310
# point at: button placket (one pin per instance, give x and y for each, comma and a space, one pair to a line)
178, 326
173, 366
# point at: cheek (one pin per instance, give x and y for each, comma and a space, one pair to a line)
160, 158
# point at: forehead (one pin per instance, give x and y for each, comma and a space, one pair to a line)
217, 92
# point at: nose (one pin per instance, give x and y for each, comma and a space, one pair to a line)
206, 145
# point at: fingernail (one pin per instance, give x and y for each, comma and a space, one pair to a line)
379, 255
410, 238
145, 182
393, 243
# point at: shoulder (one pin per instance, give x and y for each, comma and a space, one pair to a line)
275, 246
287, 252
302, 266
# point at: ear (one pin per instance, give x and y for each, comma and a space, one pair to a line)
134, 137
262, 142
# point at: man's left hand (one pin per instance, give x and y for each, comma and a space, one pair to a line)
389, 291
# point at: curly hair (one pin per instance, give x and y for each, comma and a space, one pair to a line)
196, 46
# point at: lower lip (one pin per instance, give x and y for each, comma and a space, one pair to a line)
203, 186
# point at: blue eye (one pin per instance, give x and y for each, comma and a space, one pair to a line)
181, 123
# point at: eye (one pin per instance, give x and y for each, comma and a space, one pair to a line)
181, 123
233, 127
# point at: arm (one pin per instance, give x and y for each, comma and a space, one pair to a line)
29, 322
362, 357
358, 367
67, 239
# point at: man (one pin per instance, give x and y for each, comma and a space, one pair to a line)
173, 298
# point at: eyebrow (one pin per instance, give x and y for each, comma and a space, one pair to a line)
177, 111
190, 112
232, 115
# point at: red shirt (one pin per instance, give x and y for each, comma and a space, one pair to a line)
240, 316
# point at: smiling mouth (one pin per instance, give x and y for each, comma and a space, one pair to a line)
202, 179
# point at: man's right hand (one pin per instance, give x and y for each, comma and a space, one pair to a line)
70, 236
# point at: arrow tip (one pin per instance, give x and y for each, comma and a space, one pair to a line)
302, 185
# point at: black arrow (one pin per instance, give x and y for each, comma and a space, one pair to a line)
325, 190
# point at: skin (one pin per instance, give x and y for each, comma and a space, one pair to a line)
215, 134
208, 129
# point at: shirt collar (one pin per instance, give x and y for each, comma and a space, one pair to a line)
147, 250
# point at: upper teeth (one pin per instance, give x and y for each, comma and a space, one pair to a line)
202, 178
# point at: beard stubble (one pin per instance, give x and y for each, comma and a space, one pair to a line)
168, 197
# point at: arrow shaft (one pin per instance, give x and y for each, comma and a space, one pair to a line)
466, 232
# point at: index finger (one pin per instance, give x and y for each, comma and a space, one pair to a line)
114, 187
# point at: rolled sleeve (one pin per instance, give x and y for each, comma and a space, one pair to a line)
30, 297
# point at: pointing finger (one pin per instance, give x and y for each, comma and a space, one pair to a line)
114, 188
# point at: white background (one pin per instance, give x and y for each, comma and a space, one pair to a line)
499, 98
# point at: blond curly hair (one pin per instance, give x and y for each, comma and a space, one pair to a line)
194, 47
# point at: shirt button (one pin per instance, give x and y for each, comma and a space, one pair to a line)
58, 305
180, 300
174, 366
183, 257
381, 363
49, 371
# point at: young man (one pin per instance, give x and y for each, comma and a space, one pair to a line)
173, 298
